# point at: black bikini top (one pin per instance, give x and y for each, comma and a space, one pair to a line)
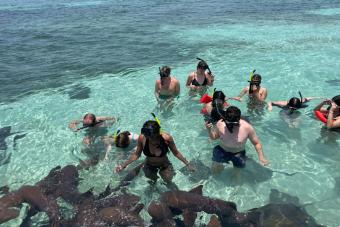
163, 146
195, 82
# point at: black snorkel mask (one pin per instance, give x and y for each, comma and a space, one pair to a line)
207, 66
149, 131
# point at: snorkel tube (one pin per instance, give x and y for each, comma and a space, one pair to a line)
88, 126
156, 119
115, 136
200, 59
251, 81
301, 98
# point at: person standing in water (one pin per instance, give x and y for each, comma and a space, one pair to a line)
155, 145
166, 88
255, 92
199, 80
233, 133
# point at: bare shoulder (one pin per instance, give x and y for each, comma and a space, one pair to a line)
167, 136
246, 125
174, 79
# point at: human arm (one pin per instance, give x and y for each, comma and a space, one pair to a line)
213, 133
73, 125
177, 88
176, 152
243, 92
319, 107
263, 94
104, 118
276, 103
258, 146
156, 92
331, 123
134, 156
189, 80
210, 77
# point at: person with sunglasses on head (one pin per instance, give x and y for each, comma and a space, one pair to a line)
332, 112
166, 88
255, 92
155, 145
233, 133
199, 80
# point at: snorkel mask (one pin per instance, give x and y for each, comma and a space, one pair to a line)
253, 82
206, 66
295, 103
149, 130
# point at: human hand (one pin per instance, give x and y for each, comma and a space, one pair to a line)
119, 168
208, 125
333, 106
264, 162
237, 99
191, 168
270, 107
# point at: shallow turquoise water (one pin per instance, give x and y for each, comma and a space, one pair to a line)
114, 51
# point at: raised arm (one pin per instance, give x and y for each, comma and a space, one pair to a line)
134, 156
319, 107
258, 147
331, 123
210, 78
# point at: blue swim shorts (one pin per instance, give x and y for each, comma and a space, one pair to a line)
238, 159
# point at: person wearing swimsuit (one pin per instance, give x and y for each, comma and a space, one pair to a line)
333, 110
155, 146
199, 80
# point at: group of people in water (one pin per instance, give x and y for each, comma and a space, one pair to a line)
223, 122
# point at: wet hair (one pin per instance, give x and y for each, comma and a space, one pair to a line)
123, 139
202, 65
218, 95
150, 128
92, 116
336, 99
294, 103
164, 72
232, 117
256, 77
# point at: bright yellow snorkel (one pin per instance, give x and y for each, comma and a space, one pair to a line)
156, 119
251, 75
115, 136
